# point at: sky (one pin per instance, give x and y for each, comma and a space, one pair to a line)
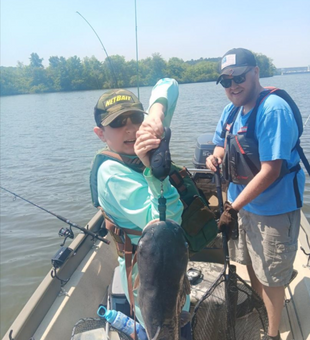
191, 29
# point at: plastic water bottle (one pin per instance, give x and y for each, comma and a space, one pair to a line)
122, 322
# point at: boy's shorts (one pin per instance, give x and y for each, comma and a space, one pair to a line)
269, 244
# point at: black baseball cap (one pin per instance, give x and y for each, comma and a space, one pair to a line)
236, 62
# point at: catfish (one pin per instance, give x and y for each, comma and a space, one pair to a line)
162, 259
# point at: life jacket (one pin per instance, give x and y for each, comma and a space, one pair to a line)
241, 158
198, 220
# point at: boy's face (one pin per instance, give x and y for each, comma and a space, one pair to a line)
120, 139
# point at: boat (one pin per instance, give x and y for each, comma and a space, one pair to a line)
85, 276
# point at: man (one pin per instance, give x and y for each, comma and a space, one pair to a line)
265, 202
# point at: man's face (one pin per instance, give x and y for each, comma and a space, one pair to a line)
120, 139
243, 94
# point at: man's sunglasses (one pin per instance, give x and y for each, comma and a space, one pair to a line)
120, 121
226, 82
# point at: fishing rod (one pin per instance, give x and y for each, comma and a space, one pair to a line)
111, 65
63, 232
137, 58
218, 183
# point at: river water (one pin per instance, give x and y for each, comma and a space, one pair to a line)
47, 145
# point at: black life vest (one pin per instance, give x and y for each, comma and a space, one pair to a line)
241, 159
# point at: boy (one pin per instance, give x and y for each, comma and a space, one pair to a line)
129, 197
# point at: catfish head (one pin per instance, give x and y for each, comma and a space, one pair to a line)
162, 258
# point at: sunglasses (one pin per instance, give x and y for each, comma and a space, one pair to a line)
226, 82
120, 121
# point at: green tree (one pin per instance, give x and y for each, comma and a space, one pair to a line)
201, 72
37, 75
132, 72
54, 62
116, 73
35, 60
38, 80
93, 73
176, 68
152, 69
8, 83
145, 70
75, 74
159, 68
266, 67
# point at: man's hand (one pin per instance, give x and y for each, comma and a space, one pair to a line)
213, 161
228, 219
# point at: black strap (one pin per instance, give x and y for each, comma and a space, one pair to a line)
296, 190
295, 168
252, 119
303, 157
251, 165
230, 119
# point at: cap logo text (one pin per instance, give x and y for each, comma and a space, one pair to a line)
116, 99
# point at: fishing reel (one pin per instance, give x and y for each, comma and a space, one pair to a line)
66, 233
194, 276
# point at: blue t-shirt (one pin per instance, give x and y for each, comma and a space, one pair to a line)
277, 133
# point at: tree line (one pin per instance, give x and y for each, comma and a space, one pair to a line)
74, 74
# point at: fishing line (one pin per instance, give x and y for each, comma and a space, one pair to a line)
111, 65
63, 219
306, 121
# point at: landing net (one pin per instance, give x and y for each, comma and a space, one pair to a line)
229, 310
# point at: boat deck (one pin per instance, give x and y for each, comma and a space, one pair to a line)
83, 293
89, 281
